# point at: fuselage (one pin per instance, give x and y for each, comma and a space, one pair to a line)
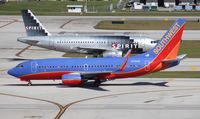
54, 68
105, 45
91, 44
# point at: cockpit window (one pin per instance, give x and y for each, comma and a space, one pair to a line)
155, 41
20, 66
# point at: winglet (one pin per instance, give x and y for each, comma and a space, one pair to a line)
123, 66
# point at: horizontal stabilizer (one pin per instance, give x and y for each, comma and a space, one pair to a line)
179, 58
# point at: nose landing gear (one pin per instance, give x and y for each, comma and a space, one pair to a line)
29, 83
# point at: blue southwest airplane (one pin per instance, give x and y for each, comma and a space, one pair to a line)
77, 71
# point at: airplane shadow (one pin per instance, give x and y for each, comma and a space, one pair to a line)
92, 87
163, 84
88, 85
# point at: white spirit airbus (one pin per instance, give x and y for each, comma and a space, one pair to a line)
103, 45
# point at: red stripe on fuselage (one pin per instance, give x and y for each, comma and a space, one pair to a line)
43, 76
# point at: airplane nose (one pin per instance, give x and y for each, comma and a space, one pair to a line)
11, 72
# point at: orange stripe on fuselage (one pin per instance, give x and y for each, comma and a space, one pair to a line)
172, 55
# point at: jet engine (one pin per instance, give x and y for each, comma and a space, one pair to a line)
112, 54
73, 79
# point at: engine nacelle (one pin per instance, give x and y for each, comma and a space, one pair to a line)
112, 54
73, 79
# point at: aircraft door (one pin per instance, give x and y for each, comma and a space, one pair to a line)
34, 67
85, 67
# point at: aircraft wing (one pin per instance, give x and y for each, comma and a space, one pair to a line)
94, 75
97, 50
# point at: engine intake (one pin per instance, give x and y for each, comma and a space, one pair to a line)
112, 54
73, 79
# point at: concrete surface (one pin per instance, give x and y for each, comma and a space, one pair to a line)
123, 98
60, 24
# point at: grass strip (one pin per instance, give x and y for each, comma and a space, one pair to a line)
95, 8
174, 74
145, 25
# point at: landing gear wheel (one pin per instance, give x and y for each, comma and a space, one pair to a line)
97, 83
29, 83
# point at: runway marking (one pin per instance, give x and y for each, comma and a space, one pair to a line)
193, 68
23, 50
171, 79
2, 70
87, 99
48, 101
14, 20
62, 108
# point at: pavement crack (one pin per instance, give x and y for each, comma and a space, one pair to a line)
14, 20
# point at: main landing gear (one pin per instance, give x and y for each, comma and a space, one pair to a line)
97, 83
29, 83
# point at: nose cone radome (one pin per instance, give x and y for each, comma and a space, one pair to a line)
12, 72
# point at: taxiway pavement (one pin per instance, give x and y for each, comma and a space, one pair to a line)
85, 24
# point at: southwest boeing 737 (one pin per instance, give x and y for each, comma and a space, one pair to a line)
77, 71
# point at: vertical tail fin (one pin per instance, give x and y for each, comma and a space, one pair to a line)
168, 46
32, 25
